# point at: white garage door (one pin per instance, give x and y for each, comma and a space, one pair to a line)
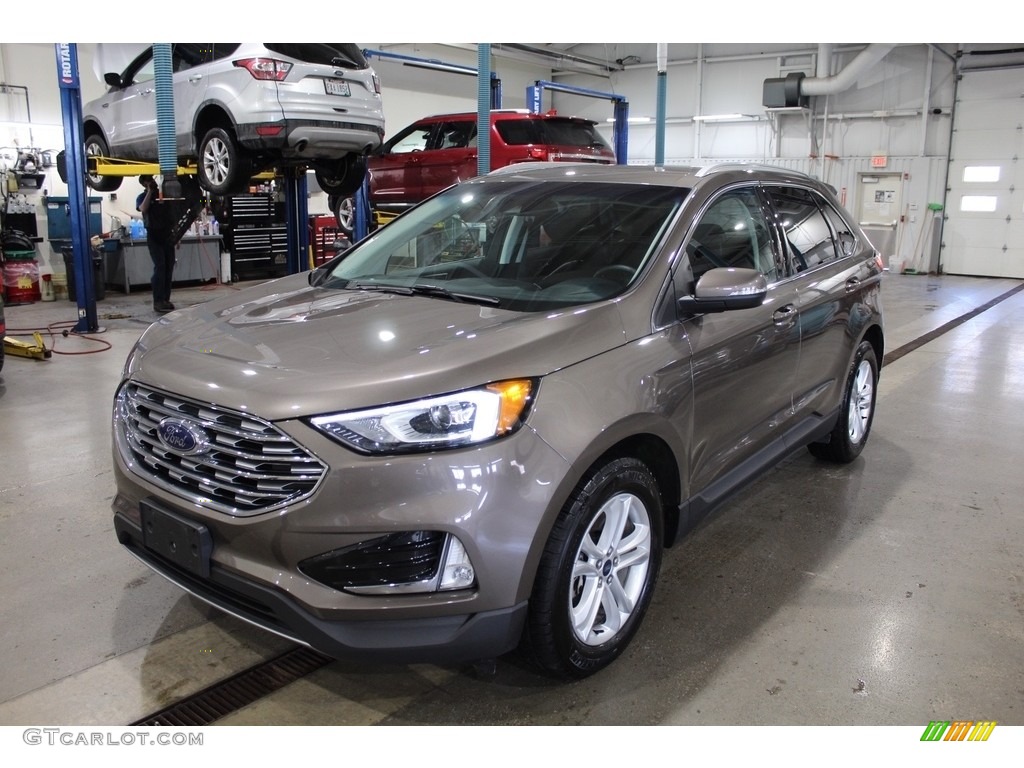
984, 229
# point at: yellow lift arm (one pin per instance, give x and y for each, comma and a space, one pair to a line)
38, 351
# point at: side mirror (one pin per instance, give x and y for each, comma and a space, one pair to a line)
725, 289
113, 79
317, 276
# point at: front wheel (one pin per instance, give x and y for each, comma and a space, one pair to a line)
223, 168
344, 209
96, 146
597, 572
850, 433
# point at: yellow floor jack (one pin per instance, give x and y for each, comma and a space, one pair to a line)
37, 350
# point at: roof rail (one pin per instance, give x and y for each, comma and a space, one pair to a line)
736, 165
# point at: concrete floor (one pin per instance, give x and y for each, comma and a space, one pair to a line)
886, 592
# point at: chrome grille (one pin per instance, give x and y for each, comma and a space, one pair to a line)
249, 467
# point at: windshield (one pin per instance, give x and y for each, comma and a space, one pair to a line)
528, 246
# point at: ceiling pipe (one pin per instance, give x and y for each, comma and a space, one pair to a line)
844, 80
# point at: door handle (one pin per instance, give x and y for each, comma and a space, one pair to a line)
852, 284
195, 78
783, 315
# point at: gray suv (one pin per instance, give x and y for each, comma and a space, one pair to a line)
241, 108
481, 427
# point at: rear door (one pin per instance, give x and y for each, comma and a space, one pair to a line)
833, 272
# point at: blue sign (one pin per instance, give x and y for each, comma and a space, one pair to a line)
67, 65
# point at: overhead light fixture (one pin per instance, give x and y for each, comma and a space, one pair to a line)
734, 116
631, 120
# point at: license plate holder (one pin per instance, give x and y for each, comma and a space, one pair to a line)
337, 87
185, 543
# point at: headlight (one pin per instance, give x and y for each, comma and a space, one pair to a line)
447, 421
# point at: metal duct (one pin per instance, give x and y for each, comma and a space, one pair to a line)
163, 75
826, 86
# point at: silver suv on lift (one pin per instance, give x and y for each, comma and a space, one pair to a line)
240, 108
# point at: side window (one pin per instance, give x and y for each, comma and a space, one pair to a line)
845, 237
456, 135
145, 72
804, 227
733, 233
412, 139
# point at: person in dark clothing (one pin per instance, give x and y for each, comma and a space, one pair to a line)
160, 241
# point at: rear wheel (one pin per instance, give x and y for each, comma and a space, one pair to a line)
223, 168
850, 433
96, 146
598, 571
343, 178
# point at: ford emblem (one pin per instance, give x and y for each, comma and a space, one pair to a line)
184, 437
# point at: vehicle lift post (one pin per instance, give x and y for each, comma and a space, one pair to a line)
296, 207
69, 85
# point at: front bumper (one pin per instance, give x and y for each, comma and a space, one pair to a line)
438, 639
497, 499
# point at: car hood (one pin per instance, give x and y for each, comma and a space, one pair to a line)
285, 349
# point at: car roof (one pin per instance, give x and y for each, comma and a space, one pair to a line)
675, 176
505, 114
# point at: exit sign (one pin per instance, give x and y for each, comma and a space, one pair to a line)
879, 161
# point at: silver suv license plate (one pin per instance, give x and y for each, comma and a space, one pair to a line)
337, 88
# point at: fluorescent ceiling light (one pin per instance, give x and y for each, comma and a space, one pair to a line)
631, 120
720, 118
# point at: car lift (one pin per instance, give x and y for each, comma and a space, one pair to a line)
535, 94
37, 351
71, 108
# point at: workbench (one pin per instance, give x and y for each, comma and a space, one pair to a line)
130, 265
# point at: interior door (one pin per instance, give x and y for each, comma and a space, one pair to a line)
879, 208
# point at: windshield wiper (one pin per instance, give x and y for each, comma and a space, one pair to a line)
424, 289
356, 285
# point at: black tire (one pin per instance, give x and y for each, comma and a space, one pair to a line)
96, 145
343, 178
857, 411
223, 168
571, 631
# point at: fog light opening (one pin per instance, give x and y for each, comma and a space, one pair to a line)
457, 571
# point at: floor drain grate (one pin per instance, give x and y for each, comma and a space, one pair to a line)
233, 693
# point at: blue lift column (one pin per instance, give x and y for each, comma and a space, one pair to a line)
535, 97
296, 207
74, 143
